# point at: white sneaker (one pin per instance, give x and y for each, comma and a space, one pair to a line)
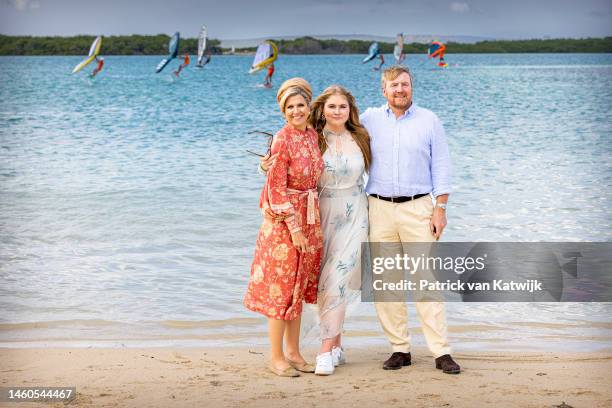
338, 356
325, 364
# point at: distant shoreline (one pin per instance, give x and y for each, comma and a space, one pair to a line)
250, 54
158, 44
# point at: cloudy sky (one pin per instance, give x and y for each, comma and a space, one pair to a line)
235, 19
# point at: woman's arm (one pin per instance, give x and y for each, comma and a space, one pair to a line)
279, 204
278, 199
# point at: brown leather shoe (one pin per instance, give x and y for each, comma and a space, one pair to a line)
447, 365
397, 361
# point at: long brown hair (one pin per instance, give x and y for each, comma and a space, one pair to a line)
353, 125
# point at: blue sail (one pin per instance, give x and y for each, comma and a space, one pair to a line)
173, 47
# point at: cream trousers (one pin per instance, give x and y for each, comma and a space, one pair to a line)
407, 222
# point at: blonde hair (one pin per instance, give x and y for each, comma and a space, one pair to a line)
292, 87
389, 74
358, 132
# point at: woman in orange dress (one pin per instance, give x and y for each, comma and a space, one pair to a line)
285, 269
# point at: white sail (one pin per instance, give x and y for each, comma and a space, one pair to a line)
201, 44
398, 50
373, 52
267, 52
95, 47
264, 51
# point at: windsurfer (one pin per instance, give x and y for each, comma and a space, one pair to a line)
401, 58
398, 52
382, 62
99, 67
183, 65
437, 50
208, 57
268, 80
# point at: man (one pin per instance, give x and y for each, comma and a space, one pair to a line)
99, 67
205, 61
186, 61
382, 62
208, 58
268, 79
410, 162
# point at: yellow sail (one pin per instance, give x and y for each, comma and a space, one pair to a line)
267, 52
94, 50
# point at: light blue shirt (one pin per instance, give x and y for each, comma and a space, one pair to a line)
409, 154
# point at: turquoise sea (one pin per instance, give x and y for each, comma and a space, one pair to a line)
128, 204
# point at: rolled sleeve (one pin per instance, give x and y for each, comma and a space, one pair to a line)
440, 161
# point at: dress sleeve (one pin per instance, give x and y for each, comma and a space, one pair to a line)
277, 184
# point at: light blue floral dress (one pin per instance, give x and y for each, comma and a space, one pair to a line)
344, 222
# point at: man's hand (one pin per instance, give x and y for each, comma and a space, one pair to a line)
438, 222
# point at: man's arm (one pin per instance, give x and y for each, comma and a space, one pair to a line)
364, 116
441, 178
440, 161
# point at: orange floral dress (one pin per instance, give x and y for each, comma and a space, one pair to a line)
282, 277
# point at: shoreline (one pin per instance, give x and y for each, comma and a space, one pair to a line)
162, 377
132, 44
361, 331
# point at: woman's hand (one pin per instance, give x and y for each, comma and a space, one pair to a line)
299, 241
268, 213
267, 161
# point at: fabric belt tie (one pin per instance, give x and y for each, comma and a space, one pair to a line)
310, 209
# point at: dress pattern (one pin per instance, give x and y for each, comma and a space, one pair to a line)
282, 278
344, 220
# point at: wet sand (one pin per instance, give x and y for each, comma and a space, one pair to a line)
237, 377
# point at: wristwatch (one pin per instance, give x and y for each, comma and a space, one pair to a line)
441, 205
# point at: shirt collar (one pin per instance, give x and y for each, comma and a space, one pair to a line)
409, 112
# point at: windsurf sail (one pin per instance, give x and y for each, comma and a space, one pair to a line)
267, 52
437, 50
398, 50
94, 50
373, 52
173, 46
201, 46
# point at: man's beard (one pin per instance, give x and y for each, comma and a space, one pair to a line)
402, 105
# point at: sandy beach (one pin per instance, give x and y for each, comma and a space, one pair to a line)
231, 377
